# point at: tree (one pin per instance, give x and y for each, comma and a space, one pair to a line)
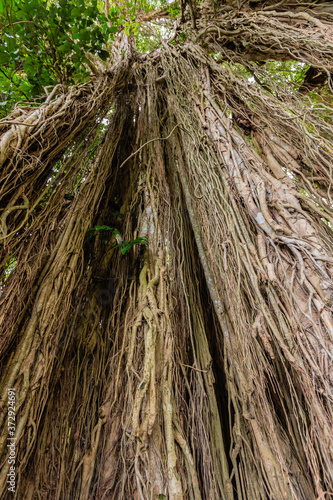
166, 229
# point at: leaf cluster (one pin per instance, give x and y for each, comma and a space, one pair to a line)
45, 43
124, 245
127, 245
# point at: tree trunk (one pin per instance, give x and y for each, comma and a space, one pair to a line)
199, 365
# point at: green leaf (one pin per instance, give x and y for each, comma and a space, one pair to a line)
127, 245
120, 245
4, 58
125, 248
103, 54
75, 12
42, 32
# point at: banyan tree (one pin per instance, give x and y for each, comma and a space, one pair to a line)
166, 250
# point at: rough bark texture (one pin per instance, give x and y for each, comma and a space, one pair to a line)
198, 366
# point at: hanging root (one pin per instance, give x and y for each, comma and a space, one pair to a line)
198, 366
278, 267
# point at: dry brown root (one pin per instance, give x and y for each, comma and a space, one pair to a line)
205, 370
53, 160
272, 35
148, 385
33, 139
29, 369
278, 265
131, 381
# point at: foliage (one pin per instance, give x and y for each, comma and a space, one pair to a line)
173, 9
124, 245
8, 268
104, 228
127, 245
46, 43
93, 231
